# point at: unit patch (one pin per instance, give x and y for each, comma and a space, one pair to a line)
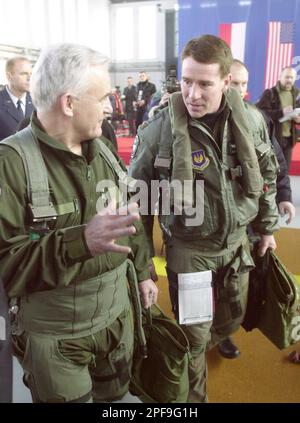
199, 160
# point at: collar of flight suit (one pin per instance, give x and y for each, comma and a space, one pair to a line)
182, 161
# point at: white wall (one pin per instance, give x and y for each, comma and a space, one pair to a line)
28, 25
33, 24
36, 23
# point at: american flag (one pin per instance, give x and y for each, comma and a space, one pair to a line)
279, 50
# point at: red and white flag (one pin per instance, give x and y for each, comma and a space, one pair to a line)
279, 50
235, 36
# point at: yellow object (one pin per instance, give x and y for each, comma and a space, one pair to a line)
160, 266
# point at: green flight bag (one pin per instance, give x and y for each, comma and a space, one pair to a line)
161, 377
273, 302
280, 313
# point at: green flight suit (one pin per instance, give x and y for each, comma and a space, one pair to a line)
75, 333
220, 243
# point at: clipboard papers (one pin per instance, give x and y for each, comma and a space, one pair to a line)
291, 115
195, 297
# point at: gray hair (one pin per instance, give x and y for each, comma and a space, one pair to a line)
60, 69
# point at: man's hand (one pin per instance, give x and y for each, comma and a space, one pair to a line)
108, 225
285, 207
266, 241
149, 292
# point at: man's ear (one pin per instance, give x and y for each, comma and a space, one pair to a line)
8, 76
67, 104
227, 81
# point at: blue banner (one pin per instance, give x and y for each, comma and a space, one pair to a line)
264, 34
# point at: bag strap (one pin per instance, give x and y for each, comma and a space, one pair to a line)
163, 159
26, 145
135, 295
113, 163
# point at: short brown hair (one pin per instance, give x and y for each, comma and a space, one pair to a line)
11, 62
209, 49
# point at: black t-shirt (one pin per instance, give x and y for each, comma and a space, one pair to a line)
212, 121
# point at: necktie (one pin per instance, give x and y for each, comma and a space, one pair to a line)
20, 110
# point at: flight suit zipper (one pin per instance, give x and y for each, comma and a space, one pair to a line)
223, 168
230, 200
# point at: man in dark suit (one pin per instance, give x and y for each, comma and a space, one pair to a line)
130, 96
145, 89
15, 100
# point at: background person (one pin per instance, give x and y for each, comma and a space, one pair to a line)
107, 129
130, 97
15, 100
239, 80
276, 103
145, 90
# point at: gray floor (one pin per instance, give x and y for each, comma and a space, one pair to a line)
21, 393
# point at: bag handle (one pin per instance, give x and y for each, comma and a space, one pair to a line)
148, 313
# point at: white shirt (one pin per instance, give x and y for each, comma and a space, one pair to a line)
16, 99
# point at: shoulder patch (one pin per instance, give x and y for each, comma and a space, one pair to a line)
199, 160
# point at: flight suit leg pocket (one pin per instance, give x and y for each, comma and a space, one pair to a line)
232, 292
112, 373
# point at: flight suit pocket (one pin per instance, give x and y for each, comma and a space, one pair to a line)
248, 211
210, 218
77, 351
232, 292
203, 223
111, 375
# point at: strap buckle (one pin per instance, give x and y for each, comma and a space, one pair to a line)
161, 162
43, 213
236, 172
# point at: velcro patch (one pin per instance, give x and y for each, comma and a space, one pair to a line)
199, 160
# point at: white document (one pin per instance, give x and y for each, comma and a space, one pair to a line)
291, 115
195, 297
